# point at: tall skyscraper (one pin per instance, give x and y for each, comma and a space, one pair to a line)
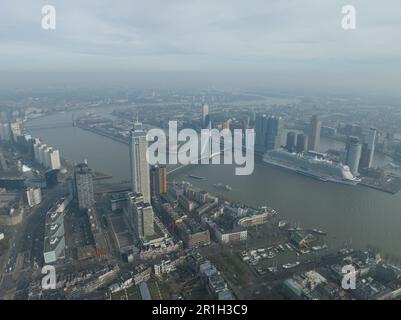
314, 134
205, 116
158, 180
291, 141
84, 186
260, 131
354, 150
162, 179
16, 130
274, 131
368, 149
55, 160
138, 163
140, 214
302, 142
268, 133
42, 154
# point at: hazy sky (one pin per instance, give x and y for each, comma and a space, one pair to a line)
297, 39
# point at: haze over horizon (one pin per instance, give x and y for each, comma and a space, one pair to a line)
277, 44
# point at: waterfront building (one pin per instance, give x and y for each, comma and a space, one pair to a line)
368, 149
53, 161
42, 154
354, 150
291, 141
260, 131
268, 133
84, 186
46, 158
139, 165
302, 142
314, 134
274, 130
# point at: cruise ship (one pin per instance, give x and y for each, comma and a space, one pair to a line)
312, 164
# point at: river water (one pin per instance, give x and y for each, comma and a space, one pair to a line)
353, 215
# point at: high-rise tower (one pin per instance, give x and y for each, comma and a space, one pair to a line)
291, 141
354, 149
158, 180
84, 186
205, 116
314, 135
138, 163
368, 149
302, 142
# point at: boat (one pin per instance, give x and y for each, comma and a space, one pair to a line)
318, 248
268, 210
282, 223
222, 186
312, 164
291, 265
319, 232
196, 177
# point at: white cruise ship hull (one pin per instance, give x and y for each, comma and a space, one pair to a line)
310, 173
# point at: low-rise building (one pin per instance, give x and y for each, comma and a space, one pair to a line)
168, 264
303, 286
142, 274
214, 281
11, 208
193, 234
187, 204
224, 234
154, 250
253, 220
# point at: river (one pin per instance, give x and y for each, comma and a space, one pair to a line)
355, 215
